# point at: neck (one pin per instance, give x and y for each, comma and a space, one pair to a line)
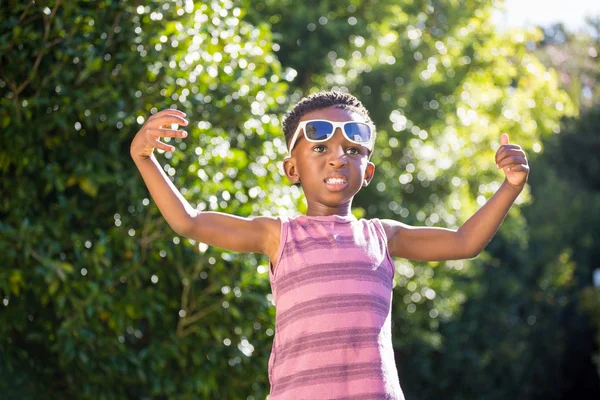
323, 210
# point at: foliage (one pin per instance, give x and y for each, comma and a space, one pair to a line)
569, 191
575, 58
590, 303
102, 300
442, 84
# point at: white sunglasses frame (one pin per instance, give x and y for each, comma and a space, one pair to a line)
336, 125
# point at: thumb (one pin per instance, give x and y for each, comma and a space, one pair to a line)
504, 138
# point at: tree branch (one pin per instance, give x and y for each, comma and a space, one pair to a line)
183, 332
185, 321
185, 294
25, 12
10, 84
36, 64
111, 33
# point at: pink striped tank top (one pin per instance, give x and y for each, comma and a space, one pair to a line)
332, 288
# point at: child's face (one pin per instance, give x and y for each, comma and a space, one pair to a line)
331, 172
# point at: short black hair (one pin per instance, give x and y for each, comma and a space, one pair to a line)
318, 101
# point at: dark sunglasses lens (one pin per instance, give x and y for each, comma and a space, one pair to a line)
319, 130
358, 132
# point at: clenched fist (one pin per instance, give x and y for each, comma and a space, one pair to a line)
513, 161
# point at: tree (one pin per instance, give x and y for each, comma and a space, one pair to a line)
563, 252
575, 57
441, 84
568, 167
100, 298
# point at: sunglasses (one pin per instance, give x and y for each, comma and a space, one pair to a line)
321, 130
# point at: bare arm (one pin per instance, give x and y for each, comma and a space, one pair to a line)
259, 234
438, 244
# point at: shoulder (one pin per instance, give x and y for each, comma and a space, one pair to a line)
268, 225
396, 233
268, 221
271, 230
392, 227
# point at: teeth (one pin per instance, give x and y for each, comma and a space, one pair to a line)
336, 181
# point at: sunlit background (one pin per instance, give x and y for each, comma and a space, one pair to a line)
101, 299
572, 14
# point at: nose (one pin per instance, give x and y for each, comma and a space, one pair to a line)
337, 156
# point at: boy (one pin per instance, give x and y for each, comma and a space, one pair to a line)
331, 274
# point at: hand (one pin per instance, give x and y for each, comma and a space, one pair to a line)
158, 125
511, 158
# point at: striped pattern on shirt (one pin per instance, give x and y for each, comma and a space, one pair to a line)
332, 287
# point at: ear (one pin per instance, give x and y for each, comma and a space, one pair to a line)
369, 172
289, 167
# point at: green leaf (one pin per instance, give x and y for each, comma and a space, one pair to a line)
89, 187
53, 287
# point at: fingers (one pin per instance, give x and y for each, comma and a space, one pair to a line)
518, 167
147, 138
157, 144
510, 147
156, 133
162, 132
153, 129
509, 150
166, 119
171, 111
512, 162
504, 138
510, 154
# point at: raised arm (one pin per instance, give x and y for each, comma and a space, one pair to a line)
253, 235
438, 244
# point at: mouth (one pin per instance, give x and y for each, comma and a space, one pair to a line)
335, 183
